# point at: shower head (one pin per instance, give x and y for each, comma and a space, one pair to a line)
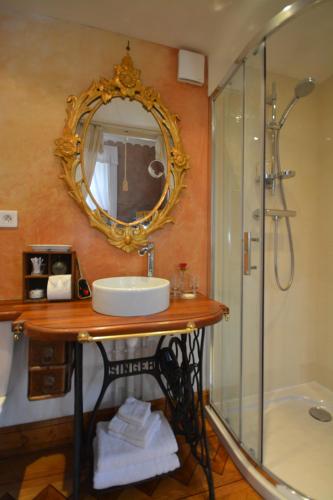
302, 89
305, 87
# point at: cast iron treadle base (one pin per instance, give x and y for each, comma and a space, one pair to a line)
177, 367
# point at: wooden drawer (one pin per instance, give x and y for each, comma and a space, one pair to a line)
50, 369
48, 382
47, 353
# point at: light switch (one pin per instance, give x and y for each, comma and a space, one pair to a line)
8, 218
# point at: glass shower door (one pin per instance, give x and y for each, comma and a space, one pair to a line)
254, 135
227, 249
236, 389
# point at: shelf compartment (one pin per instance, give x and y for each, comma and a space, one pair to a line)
35, 281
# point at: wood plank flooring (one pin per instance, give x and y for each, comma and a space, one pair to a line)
46, 475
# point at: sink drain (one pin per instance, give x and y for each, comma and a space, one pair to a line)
320, 413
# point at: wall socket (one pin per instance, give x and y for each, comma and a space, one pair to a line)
8, 218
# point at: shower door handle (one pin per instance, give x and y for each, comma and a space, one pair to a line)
247, 253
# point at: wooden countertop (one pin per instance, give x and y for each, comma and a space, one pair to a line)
64, 320
11, 309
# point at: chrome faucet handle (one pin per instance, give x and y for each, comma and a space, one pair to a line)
149, 250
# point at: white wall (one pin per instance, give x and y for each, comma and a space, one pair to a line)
324, 322
298, 323
18, 409
242, 23
6, 356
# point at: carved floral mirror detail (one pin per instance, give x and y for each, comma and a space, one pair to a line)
122, 157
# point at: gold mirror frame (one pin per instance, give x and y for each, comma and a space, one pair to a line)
125, 83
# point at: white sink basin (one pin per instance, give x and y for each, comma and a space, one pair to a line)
130, 295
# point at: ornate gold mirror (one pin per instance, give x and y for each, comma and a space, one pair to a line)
122, 157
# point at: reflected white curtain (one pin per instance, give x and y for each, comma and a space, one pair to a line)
103, 184
99, 186
112, 155
92, 147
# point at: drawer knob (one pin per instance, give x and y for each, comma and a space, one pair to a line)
47, 354
48, 382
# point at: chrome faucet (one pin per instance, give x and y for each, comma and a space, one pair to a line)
149, 250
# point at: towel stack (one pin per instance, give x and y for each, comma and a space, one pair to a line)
136, 444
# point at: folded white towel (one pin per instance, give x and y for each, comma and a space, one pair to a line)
135, 472
134, 433
134, 411
113, 452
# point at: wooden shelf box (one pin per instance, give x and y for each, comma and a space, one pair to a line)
39, 281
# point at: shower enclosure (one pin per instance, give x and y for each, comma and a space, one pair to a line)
272, 244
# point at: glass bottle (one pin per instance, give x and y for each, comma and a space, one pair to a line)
187, 283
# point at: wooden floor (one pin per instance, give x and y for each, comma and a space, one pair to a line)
47, 476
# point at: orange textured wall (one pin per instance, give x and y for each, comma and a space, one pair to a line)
42, 61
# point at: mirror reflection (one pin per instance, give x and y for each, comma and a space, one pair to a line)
122, 157
124, 160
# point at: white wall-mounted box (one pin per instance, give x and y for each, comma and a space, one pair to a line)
191, 67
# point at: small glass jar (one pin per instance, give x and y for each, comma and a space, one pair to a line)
175, 288
183, 283
59, 267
